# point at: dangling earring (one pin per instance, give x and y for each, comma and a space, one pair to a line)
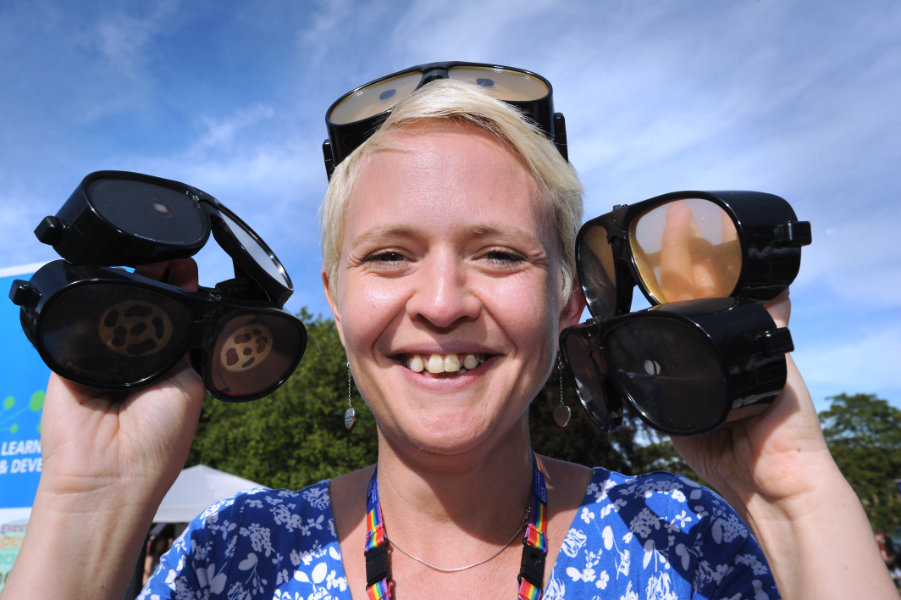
349, 414
562, 413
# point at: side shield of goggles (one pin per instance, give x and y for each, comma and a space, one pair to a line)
119, 218
357, 114
688, 245
112, 329
687, 368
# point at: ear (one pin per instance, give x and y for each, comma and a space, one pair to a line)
333, 304
571, 313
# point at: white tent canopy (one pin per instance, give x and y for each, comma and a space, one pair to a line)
197, 488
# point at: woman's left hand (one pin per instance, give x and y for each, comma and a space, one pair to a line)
764, 456
776, 471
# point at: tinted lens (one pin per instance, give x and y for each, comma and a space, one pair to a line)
686, 249
596, 270
669, 371
253, 245
587, 370
503, 84
113, 335
374, 98
254, 354
148, 210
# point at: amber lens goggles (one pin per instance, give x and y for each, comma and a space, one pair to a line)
689, 245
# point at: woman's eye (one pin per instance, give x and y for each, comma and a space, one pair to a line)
385, 257
504, 256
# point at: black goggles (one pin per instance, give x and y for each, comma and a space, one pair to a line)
687, 368
121, 218
688, 245
353, 117
109, 328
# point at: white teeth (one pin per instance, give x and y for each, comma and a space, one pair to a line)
451, 363
437, 364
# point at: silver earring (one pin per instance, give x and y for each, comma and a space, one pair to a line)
562, 412
350, 414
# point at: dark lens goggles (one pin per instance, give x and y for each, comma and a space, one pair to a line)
357, 114
687, 245
108, 328
121, 218
687, 368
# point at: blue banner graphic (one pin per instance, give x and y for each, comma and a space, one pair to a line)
22, 386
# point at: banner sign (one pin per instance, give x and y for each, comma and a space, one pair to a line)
12, 529
22, 386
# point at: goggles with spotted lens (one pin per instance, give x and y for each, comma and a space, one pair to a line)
357, 114
112, 329
686, 368
119, 218
688, 245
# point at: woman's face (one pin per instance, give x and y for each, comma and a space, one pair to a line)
448, 295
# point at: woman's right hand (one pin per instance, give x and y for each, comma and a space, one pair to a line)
94, 441
108, 460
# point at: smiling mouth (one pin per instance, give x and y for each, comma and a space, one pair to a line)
443, 365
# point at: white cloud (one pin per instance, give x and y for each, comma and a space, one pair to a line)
221, 132
793, 98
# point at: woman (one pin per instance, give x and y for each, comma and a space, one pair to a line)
447, 244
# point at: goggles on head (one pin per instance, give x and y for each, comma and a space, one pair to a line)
109, 328
112, 329
687, 368
687, 245
357, 114
121, 218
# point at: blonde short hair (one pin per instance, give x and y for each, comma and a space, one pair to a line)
451, 100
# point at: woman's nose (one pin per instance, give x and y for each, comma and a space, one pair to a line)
443, 295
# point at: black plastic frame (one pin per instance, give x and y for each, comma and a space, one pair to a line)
81, 234
769, 233
743, 339
208, 307
345, 138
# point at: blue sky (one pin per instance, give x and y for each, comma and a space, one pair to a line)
797, 98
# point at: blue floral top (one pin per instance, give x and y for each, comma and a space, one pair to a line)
657, 536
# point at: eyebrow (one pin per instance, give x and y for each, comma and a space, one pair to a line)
478, 231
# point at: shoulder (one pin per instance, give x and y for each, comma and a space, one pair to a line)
661, 504
276, 536
284, 517
280, 506
658, 532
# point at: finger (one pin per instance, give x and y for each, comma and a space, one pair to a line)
153, 270
675, 253
780, 308
183, 273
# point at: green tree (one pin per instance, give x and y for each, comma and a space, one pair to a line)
296, 436
634, 448
864, 436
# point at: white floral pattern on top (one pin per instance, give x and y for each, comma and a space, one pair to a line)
657, 536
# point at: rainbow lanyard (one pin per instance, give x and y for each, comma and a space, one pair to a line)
534, 542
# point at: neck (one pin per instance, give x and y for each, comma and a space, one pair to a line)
430, 500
